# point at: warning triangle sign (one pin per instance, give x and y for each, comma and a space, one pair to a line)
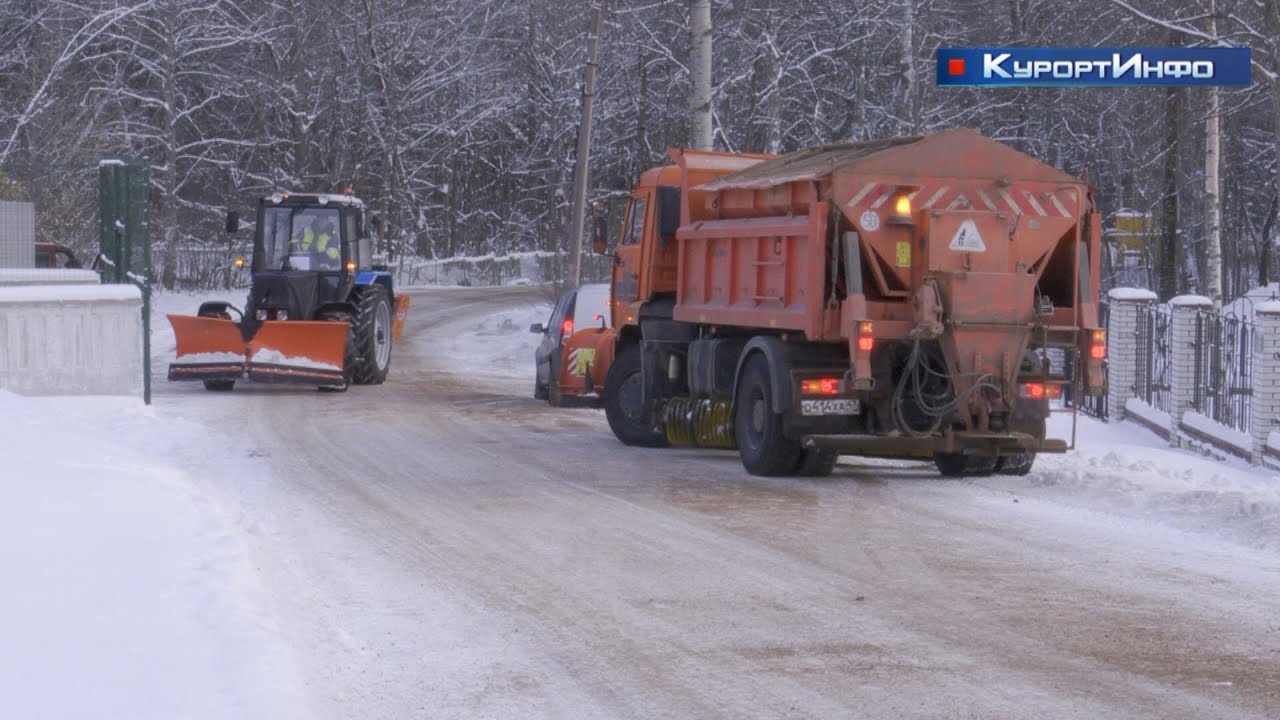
967, 238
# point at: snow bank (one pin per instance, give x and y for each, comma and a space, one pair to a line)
1122, 469
1208, 427
126, 593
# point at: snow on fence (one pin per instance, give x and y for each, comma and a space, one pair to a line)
1196, 376
485, 270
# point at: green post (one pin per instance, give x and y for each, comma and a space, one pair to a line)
124, 237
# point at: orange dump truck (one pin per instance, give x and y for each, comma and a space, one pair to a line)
893, 298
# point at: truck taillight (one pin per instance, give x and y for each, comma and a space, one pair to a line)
866, 341
566, 329
820, 386
1098, 345
1040, 391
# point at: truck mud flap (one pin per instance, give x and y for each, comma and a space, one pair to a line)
979, 443
207, 349
291, 351
401, 312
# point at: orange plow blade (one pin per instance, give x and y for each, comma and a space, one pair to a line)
294, 351
208, 349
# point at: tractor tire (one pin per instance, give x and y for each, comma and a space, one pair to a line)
758, 425
628, 417
817, 463
371, 333
219, 385
1019, 464
348, 353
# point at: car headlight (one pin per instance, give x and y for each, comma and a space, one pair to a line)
261, 314
282, 314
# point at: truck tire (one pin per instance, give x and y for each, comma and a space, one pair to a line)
758, 425
1019, 464
817, 463
371, 333
628, 418
957, 464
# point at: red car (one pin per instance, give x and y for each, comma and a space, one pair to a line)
53, 255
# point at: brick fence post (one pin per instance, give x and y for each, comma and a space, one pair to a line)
1124, 346
1264, 404
1182, 358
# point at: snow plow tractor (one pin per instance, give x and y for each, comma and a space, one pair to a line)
319, 311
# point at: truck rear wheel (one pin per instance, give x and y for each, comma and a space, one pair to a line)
1019, 464
957, 464
758, 425
817, 463
371, 333
629, 417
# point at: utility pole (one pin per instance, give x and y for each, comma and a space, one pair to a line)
700, 74
584, 149
1212, 163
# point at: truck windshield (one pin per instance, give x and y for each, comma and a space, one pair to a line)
301, 238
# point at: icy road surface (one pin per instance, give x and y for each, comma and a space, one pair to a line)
444, 546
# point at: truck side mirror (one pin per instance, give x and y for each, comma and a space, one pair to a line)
233, 221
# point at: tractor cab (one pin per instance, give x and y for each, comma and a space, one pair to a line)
307, 252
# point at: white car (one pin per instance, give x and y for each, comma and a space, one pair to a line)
586, 306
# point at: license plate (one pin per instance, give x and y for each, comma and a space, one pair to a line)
837, 406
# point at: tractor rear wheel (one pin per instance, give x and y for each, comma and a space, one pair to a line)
629, 418
371, 333
757, 424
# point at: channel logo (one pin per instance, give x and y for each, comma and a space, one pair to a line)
1092, 67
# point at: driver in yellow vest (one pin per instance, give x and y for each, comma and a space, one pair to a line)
322, 242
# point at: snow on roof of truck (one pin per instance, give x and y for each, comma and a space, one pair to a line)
958, 152
317, 198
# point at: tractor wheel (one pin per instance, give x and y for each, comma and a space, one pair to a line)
219, 385
758, 425
348, 353
371, 332
628, 417
1019, 464
817, 463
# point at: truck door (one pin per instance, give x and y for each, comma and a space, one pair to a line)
627, 262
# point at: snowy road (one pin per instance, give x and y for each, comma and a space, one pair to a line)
445, 546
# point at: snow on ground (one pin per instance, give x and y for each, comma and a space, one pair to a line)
1125, 469
127, 593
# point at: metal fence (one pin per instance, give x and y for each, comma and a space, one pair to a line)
1223, 368
1153, 381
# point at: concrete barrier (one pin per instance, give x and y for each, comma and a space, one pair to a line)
71, 339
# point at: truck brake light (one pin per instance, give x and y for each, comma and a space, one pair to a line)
820, 386
1040, 391
1098, 348
866, 341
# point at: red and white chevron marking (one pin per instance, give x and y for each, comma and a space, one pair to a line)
1059, 203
